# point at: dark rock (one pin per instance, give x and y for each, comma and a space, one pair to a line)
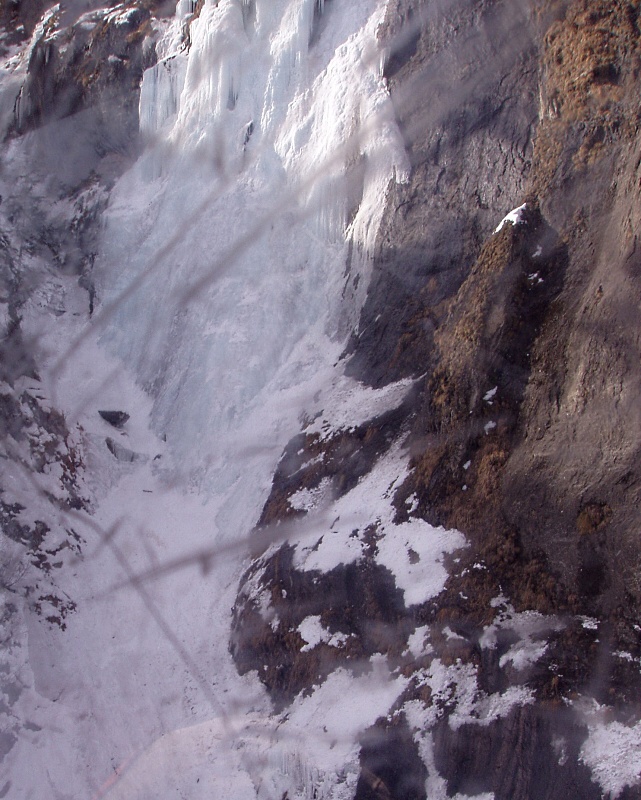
390, 764
559, 345
19, 17
357, 600
526, 429
31, 537
344, 457
124, 453
115, 418
465, 91
532, 754
95, 68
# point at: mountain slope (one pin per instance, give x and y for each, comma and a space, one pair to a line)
395, 435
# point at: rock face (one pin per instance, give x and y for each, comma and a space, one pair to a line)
19, 18
37, 438
83, 68
117, 419
524, 425
543, 313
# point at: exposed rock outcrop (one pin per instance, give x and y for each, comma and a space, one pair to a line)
94, 65
117, 419
41, 477
78, 103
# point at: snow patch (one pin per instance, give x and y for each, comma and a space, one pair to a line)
413, 551
489, 396
515, 217
313, 633
418, 642
351, 403
311, 499
612, 751
530, 628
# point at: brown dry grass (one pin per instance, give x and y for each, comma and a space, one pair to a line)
591, 61
592, 517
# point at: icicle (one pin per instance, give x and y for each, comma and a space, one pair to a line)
185, 8
249, 14
383, 57
232, 95
18, 109
313, 11
319, 133
160, 94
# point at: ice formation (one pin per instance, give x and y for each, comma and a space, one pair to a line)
270, 151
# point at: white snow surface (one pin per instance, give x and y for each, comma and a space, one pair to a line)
514, 217
612, 751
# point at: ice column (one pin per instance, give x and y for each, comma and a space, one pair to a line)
160, 94
213, 81
254, 127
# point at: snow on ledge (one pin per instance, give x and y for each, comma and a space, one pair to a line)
515, 217
313, 632
352, 403
312, 499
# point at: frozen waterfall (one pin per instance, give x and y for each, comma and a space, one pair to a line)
266, 157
